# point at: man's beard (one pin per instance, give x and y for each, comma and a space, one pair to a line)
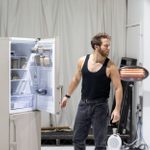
103, 53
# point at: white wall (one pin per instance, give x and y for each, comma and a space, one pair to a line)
138, 44
146, 63
134, 31
133, 47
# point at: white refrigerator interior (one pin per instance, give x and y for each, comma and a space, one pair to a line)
29, 82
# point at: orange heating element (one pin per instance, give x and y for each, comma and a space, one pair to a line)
132, 73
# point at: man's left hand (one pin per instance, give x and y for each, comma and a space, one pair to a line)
115, 116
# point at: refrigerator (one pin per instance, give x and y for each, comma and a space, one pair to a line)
29, 78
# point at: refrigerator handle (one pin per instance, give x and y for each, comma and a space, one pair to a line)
13, 143
60, 88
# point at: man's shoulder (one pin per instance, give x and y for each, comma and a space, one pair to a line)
111, 64
81, 60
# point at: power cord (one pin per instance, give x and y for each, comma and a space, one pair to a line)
139, 142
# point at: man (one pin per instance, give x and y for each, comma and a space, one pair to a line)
96, 71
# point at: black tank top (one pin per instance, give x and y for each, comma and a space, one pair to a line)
95, 85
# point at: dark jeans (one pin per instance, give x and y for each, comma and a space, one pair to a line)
89, 114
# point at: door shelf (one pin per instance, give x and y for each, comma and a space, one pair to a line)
41, 68
21, 101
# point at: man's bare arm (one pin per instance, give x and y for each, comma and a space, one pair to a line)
115, 77
74, 82
76, 78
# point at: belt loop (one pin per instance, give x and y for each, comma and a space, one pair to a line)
86, 100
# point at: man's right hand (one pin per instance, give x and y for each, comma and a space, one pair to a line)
63, 102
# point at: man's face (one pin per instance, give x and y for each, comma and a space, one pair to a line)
105, 47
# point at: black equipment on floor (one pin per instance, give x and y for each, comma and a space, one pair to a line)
125, 124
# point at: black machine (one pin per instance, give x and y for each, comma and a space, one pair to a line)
125, 124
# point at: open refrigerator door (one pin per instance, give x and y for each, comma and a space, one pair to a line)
45, 75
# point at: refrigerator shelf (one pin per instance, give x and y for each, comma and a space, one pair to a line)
17, 57
19, 80
16, 69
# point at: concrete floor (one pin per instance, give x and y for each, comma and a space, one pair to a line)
63, 148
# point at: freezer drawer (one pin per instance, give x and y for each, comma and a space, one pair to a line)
25, 131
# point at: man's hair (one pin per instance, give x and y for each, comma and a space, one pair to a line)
96, 40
